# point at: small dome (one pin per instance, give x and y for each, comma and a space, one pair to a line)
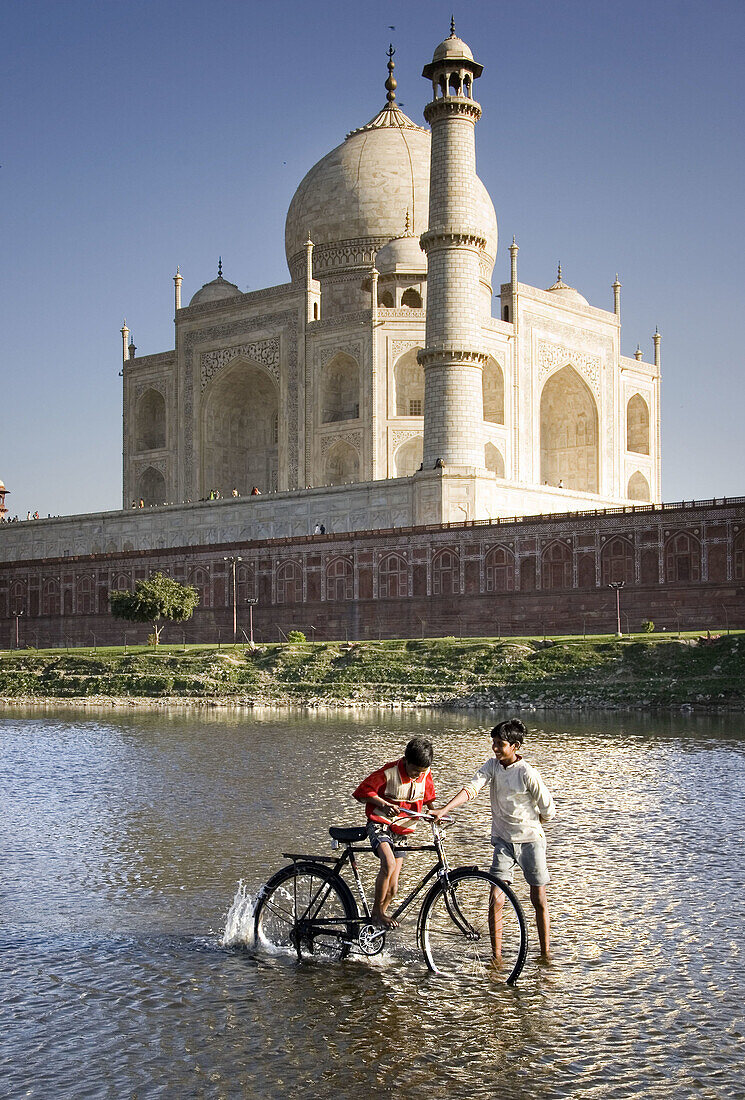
566, 293
218, 289
2, 484
451, 49
404, 255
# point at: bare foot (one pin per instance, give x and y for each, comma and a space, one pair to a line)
545, 958
382, 920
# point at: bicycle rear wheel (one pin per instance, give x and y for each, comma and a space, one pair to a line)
307, 909
460, 928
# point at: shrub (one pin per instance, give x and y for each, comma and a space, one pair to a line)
296, 636
648, 626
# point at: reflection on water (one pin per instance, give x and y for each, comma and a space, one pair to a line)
123, 838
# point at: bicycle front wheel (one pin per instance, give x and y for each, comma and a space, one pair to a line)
473, 927
307, 909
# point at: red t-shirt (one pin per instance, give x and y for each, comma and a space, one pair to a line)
394, 782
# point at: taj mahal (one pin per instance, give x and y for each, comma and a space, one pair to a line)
384, 362
387, 443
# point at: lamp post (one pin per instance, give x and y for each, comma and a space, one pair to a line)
726, 615
233, 562
618, 585
17, 617
251, 601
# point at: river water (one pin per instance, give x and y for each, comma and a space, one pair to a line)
124, 836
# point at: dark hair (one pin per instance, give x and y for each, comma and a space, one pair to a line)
419, 752
512, 731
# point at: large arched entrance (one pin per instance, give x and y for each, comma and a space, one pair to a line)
240, 429
569, 433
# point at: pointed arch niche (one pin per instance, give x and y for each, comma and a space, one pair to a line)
340, 389
569, 433
408, 457
342, 464
408, 382
240, 429
493, 460
492, 384
638, 488
637, 425
150, 421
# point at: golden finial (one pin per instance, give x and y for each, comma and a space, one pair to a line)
452, 26
219, 268
391, 83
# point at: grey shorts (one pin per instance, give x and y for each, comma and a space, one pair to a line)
530, 857
383, 834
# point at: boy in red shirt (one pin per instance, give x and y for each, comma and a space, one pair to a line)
402, 784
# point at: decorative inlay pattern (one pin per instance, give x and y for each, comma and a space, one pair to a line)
386, 314
552, 357
353, 438
263, 352
398, 347
327, 354
160, 386
401, 435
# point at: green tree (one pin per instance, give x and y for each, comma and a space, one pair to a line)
158, 598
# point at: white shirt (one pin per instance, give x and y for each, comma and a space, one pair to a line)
519, 799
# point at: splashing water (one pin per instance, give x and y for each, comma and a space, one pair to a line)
239, 923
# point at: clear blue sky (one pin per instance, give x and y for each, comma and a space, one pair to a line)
140, 135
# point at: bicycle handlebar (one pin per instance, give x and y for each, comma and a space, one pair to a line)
424, 817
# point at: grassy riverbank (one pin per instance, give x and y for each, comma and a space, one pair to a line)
643, 672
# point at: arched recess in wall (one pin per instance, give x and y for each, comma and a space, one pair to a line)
408, 457
493, 460
342, 464
556, 566
240, 431
638, 487
411, 298
393, 577
499, 569
150, 421
408, 381
492, 385
617, 561
152, 487
682, 557
289, 582
445, 573
569, 433
340, 389
385, 299
339, 579
637, 425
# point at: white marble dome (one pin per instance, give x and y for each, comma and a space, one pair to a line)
216, 290
404, 255
355, 200
566, 293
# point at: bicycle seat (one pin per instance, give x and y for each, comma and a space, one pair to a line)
348, 836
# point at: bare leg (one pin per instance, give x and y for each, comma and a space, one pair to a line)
542, 919
385, 885
496, 907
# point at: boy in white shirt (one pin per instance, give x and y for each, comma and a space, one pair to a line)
520, 803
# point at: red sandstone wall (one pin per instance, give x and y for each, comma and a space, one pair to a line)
683, 567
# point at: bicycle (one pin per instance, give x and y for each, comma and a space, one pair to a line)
307, 907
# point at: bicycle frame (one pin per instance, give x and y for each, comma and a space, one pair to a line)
440, 869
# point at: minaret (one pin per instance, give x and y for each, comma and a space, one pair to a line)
177, 281
452, 358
